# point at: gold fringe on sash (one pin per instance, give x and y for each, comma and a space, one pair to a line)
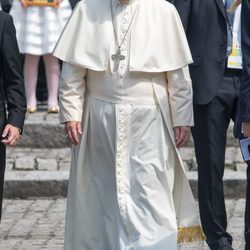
190, 234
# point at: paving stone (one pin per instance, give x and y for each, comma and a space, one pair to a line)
25, 163
34, 244
230, 155
47, 164
35, 117
55, 153
13, 152
44, 228
18, 207
64, 164
230, 137
194, 166
241, 167
10, 244
55, 244
41, 207
43, 135
52, 118
23, 227
187, 165
187, 153
238, 155
10, 164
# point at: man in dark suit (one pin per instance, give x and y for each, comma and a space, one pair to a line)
11, 90
244, 100
209, 31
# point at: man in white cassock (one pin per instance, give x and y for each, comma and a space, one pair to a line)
126, 102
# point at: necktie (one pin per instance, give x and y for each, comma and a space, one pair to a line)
230, 21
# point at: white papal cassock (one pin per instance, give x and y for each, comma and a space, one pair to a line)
127, 188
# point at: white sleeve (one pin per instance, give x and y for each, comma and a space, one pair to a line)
180, 97
71, 92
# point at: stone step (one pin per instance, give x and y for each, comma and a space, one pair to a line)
38, 159
42, 130
26, 184
22, 158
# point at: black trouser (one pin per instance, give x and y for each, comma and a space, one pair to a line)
210, 134
2, 157
2, 170
247, 210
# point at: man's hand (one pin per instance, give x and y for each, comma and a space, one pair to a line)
73, 130
246, 129
10, 135
182, 135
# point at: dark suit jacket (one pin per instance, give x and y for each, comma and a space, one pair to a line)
244, 98
205, 24
11, 85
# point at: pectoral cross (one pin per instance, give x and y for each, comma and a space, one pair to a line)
117, 58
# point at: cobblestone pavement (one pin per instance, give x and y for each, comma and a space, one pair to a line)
39, 224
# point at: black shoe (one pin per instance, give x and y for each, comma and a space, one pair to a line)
226, 247
221, 244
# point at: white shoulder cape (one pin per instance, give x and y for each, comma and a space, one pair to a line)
158, 41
